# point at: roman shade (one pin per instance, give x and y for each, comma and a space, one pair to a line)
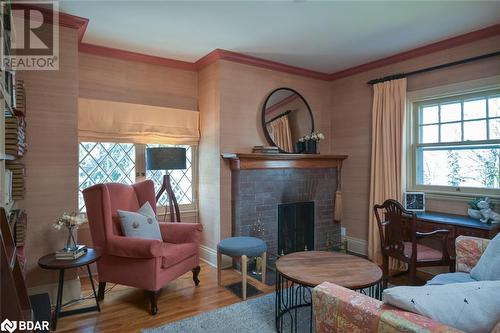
109, 121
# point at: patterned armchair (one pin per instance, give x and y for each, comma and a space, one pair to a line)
338, 310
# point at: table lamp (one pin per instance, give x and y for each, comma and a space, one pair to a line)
167, 158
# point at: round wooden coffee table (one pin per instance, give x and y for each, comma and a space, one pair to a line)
297, 273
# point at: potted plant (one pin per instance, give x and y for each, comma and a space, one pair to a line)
311, 142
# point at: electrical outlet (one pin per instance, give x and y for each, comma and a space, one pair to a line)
343, 231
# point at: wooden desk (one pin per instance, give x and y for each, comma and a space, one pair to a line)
457, 225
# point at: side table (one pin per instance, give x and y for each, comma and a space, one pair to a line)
49, 261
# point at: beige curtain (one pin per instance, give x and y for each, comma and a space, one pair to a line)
109, 121
281, 133
389, 100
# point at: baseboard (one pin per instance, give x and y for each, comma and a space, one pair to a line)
356, 245
72, 290
209, 255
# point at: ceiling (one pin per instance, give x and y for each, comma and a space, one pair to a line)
321, 36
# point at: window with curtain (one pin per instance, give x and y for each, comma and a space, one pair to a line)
455, 145
113, 138
101, 162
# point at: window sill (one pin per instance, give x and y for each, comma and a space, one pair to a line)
457, 197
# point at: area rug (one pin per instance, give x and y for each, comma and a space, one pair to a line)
255, 315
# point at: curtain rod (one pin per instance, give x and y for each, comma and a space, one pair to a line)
429, 69
286, 113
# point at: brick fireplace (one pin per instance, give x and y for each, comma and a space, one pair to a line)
260, 183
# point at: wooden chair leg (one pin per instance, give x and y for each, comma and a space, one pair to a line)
452, 265
263, 267
196, 273
100, 291
153, 298
244, 276
219, 268
413, 274
385, 271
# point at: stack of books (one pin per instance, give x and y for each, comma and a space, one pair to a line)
265, 150
71, 255
20, 97
15, 139
17, 183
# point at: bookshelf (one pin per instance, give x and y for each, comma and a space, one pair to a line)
11, 114
12, 143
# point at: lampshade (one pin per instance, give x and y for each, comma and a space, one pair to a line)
165, 158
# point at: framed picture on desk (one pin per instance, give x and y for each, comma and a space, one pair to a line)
414, 201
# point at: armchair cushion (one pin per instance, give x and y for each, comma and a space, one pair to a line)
447, 278
469, 250
488, 266
175, 253
339, 310
424, 253
471, 307
140, 224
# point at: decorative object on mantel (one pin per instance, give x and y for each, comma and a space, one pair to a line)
286, 117
308, 144
265, 150
71, 221
482, 209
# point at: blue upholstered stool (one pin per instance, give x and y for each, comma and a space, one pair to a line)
242, 247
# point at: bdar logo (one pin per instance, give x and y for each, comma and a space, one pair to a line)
8, 325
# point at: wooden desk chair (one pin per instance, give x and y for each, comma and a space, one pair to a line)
400, 241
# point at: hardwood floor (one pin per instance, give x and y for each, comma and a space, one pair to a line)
126, 309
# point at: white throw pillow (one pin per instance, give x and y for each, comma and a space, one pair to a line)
488, 266
471, 307
140, 224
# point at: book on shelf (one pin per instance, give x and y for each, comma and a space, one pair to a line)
265, 150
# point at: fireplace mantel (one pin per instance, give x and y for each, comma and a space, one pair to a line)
241, 161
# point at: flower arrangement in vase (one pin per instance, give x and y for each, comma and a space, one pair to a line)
71, 221
308, 144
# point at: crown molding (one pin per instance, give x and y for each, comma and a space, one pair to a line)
65, 20
420, 51
81, 23
220, 54
135, 56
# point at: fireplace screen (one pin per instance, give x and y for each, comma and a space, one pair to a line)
295, 227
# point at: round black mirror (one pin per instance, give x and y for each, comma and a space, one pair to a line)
286, 118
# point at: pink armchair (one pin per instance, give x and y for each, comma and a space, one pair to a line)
137, 262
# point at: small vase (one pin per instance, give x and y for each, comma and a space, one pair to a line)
311, 147
300, 147
70, 241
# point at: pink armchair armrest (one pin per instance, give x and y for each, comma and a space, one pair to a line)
178, 233
132, 247
337, 310
469, 250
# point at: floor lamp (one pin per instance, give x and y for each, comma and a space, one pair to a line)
167, 158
